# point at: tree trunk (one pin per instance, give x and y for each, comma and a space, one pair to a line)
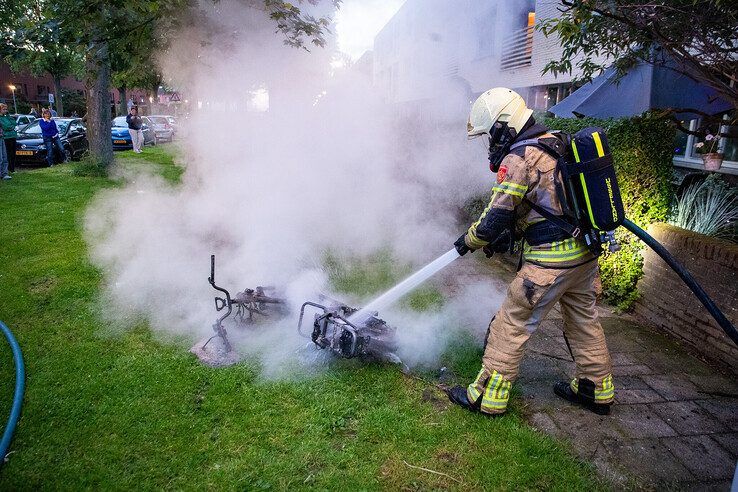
97, 68
123, 103
58, 96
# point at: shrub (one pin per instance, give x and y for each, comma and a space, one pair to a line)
90, 168
709, 207
642, 149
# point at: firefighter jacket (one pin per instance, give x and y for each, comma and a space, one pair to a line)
528, 172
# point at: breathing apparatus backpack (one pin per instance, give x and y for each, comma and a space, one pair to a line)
586, 186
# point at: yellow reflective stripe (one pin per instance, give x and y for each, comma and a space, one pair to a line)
472, 232
473, 392
598, 144
607, 391
510, 184
497, 393
586, 199
512, 192
555, 258
574, 149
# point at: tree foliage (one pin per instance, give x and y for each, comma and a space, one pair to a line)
46, 52
101, 31
700, 36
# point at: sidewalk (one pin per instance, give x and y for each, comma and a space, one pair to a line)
675, 420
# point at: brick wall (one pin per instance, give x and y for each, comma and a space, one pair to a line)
668, 304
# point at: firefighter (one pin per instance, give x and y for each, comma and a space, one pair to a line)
558, 267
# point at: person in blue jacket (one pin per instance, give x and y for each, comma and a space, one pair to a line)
50, 132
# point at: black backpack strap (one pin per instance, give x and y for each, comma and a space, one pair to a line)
556, 220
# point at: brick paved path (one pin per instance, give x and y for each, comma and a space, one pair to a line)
675, 421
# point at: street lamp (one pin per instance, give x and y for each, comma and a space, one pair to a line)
15, 105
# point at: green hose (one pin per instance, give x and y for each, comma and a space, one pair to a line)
20, 387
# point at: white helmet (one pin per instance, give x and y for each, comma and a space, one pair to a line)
497, 105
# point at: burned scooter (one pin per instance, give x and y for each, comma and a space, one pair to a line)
333, 329
251, 304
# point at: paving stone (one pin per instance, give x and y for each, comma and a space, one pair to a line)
719, 384
673, 387
718, 486
538, 366
631, 370
703, 456
729, 442
687, 417
626, 359
630, 383
583, 427
636, 396
554, 346
538, 393
623, 342
648, 460
639, 421
725, 409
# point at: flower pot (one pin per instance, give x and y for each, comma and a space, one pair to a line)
712, 161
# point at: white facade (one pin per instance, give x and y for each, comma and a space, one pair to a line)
433, 48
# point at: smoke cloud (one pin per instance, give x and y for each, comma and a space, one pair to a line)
329, 167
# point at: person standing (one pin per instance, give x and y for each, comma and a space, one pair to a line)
53, 112
130, 104
134, 128
558, 267
50, 133
33, 112
7, 123
3, 160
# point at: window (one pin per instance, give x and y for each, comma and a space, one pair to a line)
685, 144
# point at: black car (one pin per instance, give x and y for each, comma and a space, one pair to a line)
30, 148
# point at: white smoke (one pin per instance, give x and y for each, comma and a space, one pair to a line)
328, 167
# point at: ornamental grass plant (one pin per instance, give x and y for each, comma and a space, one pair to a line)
708, 207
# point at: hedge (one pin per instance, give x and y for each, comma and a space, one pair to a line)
642, 149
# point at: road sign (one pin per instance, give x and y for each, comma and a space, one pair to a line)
51, 98
174, 97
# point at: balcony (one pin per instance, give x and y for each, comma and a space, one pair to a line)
517, 50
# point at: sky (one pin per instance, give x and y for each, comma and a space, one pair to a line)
358, 21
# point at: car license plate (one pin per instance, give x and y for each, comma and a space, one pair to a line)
119, 141
23, 152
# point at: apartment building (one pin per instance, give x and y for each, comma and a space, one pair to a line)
434, 48
34, 90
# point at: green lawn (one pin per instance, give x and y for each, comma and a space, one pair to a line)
124, 411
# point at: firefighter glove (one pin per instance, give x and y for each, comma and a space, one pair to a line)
499, 245
461, 246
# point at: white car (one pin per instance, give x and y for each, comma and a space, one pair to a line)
162, 128
22, 120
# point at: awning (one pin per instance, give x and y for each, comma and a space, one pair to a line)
644, 87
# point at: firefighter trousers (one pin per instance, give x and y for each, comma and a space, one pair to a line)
530, 297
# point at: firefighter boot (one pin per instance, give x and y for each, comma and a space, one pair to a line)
458, 396
582, 392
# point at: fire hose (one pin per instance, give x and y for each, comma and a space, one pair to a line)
20, 386
686, 277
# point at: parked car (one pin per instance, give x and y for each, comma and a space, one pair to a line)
162, 128
173, 123
122, 138
22, 120
30, 148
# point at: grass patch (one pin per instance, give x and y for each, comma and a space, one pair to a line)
368, 277
121, 412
